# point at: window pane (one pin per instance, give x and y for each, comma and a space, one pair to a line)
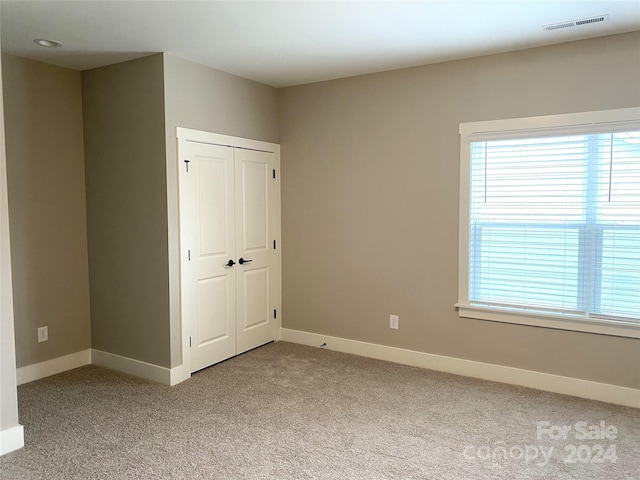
539, 180
620, 272
527, 266
619, 195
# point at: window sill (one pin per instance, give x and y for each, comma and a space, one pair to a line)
577, 323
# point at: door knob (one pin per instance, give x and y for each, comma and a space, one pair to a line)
230, 263
243, 261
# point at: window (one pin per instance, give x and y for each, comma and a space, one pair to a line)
550, 221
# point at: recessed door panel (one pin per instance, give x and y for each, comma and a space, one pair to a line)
212, 205
213, 310
254, 204
255, 297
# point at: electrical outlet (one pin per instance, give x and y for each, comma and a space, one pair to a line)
393, 322
43, 334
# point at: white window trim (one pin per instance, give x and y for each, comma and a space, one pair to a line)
532, 126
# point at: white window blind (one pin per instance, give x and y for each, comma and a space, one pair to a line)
554, 223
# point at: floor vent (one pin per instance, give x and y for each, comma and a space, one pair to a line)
576, 23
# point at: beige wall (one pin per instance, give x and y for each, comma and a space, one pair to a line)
206, 99
45, 166
126, 208
202, 98
370, 172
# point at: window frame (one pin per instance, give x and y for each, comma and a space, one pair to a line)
530, 127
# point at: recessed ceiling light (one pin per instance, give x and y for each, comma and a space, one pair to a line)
43, 42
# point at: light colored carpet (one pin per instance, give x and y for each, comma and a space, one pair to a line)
286, 411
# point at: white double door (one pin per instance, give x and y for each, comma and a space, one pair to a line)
229, 220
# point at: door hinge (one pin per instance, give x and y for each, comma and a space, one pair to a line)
274, 244
189, 255
189, 342
274, 173
275, 313
187, 164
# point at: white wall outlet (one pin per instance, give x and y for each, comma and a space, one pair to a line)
393, 321
43, 334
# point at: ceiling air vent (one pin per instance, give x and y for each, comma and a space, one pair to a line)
576, 23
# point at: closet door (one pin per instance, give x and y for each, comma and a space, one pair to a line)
255, 292
230, 268
208, 233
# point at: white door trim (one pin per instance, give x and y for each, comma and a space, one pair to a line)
226, 140
11, 439
183, 371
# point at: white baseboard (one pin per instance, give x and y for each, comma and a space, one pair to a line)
137, 368
131, 366
498, 373
51, 367
11, 439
